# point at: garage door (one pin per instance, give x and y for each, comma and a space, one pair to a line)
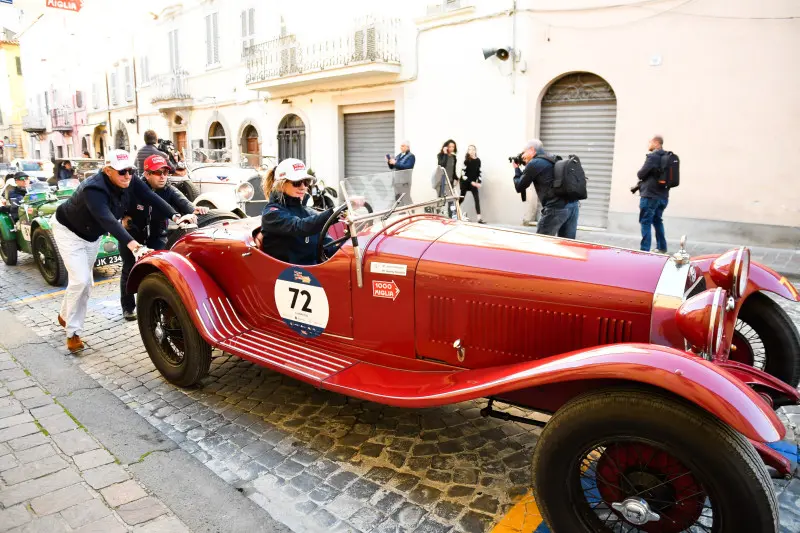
368, 137
579, 115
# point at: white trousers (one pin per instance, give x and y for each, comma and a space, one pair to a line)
79, 256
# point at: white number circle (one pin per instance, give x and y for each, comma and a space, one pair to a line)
302, 302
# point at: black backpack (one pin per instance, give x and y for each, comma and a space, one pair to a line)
570, 179
670, 171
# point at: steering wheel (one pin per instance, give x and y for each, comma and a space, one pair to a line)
325, 250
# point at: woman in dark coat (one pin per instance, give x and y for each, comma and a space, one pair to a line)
471, 179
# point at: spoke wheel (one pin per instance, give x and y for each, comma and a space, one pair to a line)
168, 332
635, 486
749, 346
8, 252
638, 459
47, 258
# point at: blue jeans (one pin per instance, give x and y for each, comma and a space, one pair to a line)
651, 211
561, 222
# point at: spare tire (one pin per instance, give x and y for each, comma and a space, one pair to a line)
215, 216
189, 189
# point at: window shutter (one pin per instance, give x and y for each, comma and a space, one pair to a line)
251, 26
79, 99
244, 24
113, 83
95, 96
128, 83
215, 34
208, 40
19, 66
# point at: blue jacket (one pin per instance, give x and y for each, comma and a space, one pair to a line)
97, 205
403, 161
539, 171
147, 224
291, 230
649, 174
66, 173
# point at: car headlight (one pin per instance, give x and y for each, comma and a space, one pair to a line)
245, 192
701, 320
731, 271
110, 247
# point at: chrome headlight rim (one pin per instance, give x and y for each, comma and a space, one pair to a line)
245, 192
741, 272
716, 322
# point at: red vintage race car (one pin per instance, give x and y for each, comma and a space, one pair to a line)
661, 401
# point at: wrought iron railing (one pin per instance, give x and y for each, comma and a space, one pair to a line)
371, 40
33, 122
62, 118
171, 86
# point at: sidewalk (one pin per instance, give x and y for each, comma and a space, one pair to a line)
783, 260
55, 477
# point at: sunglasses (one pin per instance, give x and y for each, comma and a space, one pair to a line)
124, 171
158, 173
308, 182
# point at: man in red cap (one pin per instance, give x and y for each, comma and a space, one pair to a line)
148, 226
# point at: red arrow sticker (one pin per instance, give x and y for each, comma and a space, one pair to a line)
385, 289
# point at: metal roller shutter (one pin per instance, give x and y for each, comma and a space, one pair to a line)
579, 115
368, 137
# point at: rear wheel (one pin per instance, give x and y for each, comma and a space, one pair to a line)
766, 338
173, 343
8, 252
47, 258
188, 189
627, 460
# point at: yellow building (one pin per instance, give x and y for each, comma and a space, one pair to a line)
12, 98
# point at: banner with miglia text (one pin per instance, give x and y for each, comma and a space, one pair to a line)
69, 5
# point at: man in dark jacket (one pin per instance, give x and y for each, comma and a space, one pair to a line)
401, 181
15, 194
653, 197
66, 172
559, 216
149, 148
93, 210
146, 224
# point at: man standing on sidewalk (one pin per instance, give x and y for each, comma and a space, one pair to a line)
149, 148
148, 227
401, 181
653, 197
93, 210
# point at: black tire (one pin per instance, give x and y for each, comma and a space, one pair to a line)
766, 338
189, 189
8, 252
177, 350
635, 425
214, 217
47, 257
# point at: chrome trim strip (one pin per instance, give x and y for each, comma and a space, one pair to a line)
272, 362
224, 310
200, 318
311, 350
221, 322
213, 324
283, 356
236, 315
322, 360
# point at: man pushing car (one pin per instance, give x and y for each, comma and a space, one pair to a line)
148, 226
93, 210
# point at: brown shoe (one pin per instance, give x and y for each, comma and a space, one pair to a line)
61, 321
74, 344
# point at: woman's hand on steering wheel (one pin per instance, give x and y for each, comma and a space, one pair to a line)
326, 250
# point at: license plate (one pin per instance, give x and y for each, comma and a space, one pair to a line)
105, 261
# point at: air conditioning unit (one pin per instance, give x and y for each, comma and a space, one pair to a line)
364, 44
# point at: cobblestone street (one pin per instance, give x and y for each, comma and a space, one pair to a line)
314, 460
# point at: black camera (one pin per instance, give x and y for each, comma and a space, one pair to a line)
516, 159
166, 146
636, 188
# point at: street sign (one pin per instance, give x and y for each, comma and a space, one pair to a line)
69, 5
6, 1
9, 145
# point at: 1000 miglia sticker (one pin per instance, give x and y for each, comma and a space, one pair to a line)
302, 302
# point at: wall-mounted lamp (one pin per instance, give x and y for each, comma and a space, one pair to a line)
501, 53
286, 101
131, 121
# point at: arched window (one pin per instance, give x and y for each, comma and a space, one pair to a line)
291, 138
250, 146
216, 137
84, 146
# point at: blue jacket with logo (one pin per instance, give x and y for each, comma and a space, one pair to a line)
291, 230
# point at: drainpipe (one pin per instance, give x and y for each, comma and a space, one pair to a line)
135, 95
108, 111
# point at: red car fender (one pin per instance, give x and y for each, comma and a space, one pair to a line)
200, 294
694, 379
762, 278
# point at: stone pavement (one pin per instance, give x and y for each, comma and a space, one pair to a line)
315, 460
785, 261
54, 476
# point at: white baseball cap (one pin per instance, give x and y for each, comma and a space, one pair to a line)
119, 160
292, 170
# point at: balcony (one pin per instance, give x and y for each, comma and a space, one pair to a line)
63, 118
171, 90
369, 50
33, 123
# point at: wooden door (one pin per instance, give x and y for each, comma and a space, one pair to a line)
252, 151
180, 142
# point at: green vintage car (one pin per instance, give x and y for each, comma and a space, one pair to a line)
31, 232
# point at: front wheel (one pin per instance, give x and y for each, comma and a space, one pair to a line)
629, 460
766, 338
47, 258
173, 343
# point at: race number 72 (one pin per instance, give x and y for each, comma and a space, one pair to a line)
305, 293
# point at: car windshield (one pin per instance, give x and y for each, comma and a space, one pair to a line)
87, 167
31, 166
38, 186
380, 195
68, 184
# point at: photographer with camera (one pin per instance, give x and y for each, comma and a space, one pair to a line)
559, 215
149, 148
653, 196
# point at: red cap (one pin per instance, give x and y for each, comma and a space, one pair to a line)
155, 162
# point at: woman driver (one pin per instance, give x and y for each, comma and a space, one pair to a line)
290, 230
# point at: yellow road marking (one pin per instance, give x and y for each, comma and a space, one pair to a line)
524, 517
57, 293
